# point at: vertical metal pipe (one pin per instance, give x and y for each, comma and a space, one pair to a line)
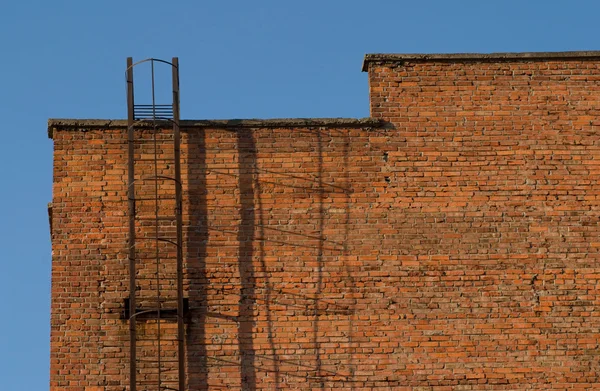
179, 206
131, 202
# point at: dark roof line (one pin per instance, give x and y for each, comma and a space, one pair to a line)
459, 57
100, 124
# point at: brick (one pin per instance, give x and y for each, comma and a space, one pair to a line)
454, 247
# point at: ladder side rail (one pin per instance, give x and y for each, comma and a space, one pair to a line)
179, 207
131, 242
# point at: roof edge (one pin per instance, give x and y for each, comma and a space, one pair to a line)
101, 124
535, 56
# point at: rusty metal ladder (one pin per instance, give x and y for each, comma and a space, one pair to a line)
155, 307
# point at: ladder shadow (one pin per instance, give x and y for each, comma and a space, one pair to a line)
258, 295
197, 237
245, 238
195, 253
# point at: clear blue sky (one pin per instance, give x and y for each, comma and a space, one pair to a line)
239, 59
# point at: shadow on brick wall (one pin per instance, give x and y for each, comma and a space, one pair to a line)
259, 309
245, 238
196, 237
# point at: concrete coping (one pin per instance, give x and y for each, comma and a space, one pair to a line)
490, 57
84, 125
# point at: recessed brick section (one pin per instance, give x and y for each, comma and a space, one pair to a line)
451, 242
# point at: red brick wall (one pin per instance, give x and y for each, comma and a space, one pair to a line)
491, 221
453, 248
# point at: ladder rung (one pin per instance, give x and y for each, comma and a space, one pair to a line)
153, 309
156, 361
160, 239
153, 199
154, 299
160, 218
154, 238
141, 113
144, 142
159, 115
165, 310
153, 108
149, 118
156, 178
152, 160
156, 339
152, 262
148, 308
163, 316
148, 115
156, 380
161, 387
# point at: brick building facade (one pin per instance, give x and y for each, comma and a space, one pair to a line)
449, 242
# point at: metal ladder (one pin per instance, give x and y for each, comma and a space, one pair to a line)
155, 306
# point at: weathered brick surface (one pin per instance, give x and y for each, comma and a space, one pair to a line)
454, 248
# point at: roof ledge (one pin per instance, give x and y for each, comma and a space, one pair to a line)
84, 125
492, 57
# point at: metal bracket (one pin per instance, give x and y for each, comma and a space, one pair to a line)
150, 313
